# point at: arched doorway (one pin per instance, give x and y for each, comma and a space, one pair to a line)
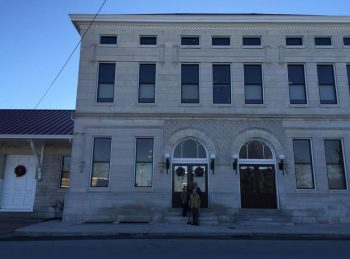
257, 175
189, 166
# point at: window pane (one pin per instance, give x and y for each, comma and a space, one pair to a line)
102, 150
190, 74
146, 93
253, 94
147, 74
296, 74
302, 151
297, 94
243, 153
325, 74
255, 150
106, 73
347, 41
105, 93
200, 180
143, 176
65, 172
252, 75
189, 40
327, 94
294, 41
177, 151
189, 149
304, 176
336, 177
66, 163
222, 94
221, 41
190, 94
267, 152
108, 40
251, 41
221, 74
323, 41
333, 152
148, 40
144, 150
335, 164
201, 151
99, 176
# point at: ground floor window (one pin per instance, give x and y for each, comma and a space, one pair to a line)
101, 162
65, 172
303, 164
144, 162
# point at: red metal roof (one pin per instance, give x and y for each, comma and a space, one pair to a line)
36, 122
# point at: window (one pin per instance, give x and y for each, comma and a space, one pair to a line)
108, 40
144, 162
190, 83
255, 149
251, 41
220, 41
335, 164
303, 164
147, 81
346, 41
106, 77
221, 84
326, 84
190, 148
323, 41
253, 84
65, 171
189, 40
101, 162
148, 40
296, 80
294, 41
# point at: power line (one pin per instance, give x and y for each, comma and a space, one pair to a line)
70, 56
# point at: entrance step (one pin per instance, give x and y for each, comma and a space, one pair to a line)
263, 217
207, 217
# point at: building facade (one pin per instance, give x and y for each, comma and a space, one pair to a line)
254, 108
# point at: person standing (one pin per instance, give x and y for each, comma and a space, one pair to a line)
184, 200
194, 204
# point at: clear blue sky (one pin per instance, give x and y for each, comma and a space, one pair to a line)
37, 37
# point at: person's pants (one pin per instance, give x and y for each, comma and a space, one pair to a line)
195, 215
184, 209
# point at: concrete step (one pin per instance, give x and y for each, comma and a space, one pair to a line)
262, 223
261, 217
207, 217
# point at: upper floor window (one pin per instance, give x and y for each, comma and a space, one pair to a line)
147, 82
65, 172
251, 41
323, 41
106, 79
253, 87
296, 80
221, 84
220, 41
189, 40
148, 40
303, 164
294, 41
101, 162
346, 41
144, 162
190, 83
335, 164
326, 84
108, 39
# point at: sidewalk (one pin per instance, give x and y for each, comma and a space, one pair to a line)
56, 228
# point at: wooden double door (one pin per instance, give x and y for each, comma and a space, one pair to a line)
185, 175
258, 186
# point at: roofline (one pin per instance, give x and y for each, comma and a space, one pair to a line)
28, 136
210, 18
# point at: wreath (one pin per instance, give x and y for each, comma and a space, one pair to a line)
199, 172
20, 170
180, 171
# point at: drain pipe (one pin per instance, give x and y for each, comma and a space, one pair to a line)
39, 160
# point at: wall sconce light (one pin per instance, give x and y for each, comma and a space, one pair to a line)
167, 162
281, 163
235, 162
212, 162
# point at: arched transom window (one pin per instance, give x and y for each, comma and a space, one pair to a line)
255, 149
190, 149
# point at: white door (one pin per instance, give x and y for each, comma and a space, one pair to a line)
19, 192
